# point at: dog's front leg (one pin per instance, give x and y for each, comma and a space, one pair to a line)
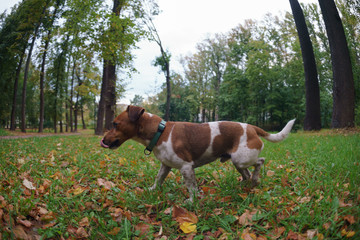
163, 172
190, 181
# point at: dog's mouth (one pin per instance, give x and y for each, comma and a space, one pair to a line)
112, 145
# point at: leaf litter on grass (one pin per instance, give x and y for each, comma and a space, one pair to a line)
69, 187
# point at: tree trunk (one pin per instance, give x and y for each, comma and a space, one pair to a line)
99, 130
26, 72
312, 119
71, 97
42, 73
82, 117
343, 84
168, 86
110, 97
110, 67
16, 83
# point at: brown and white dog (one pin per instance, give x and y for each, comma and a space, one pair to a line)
186, 146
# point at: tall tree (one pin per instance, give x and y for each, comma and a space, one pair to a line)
47, 39
164, 60
343, 80
26, 71
312, 119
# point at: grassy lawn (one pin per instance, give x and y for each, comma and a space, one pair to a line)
64, 187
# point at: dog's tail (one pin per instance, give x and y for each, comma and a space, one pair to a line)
278, 136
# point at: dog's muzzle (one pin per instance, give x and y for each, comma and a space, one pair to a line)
103, 144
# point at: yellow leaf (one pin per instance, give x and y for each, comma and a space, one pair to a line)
350, 234
188, 227
122, 161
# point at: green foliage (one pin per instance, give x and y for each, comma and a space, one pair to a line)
84, 191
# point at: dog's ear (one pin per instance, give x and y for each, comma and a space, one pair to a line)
135, 112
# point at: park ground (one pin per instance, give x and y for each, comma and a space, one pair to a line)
66, 186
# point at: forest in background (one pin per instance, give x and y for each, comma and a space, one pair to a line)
60, 53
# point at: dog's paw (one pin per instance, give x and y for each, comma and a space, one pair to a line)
152, 188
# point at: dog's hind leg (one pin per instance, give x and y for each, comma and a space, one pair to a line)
163, 172
190, 181
245, 173
256, 173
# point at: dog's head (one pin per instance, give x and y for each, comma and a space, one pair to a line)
125, 127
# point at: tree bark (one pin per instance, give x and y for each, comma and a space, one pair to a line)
16, 83
42, 73
26, 72
99, 130
110, 98
312, 119
343, 80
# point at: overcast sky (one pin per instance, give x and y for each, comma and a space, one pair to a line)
181, 25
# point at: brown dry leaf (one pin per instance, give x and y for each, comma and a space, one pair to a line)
277, 232
247, 235
76, 191
28, 184
326, 225
42, 211
182, 215
20, 233
246, 218
106, 184
143, 228
350, 219
304, 199
25, 223
292, 236
84, 222
81, 233
343, 204
311, 233
270, 173
115, 231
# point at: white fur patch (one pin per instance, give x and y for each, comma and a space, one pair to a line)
166, 154
244, 157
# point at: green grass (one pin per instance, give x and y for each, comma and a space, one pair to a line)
310, 184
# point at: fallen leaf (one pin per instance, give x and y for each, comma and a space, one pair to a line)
270, 173
25, 223
28, 184
188, 227
21, 160
350, 234
182, 215
143, 228
20, 233
292, 236
311, 233
106, 184
76, 191
115, 231
81, 233
304, 199
84, 222
246, 218
277, 232
350, 219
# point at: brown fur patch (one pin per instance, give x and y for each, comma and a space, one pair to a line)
229, 139
190, 140
253, 140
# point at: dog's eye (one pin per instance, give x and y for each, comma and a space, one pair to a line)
115, 124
